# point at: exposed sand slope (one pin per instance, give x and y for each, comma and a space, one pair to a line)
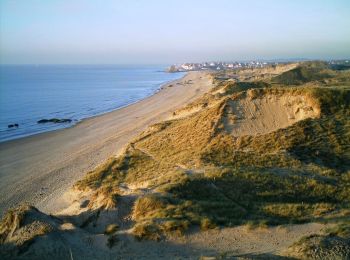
40, 168
266, 114
252, 115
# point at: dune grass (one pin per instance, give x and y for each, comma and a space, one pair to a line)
111, 229
198, 174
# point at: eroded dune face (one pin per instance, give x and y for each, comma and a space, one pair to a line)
262, 115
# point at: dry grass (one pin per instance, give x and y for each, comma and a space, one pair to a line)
147, 230
111, 229
198, 174
12, 221
156, 230
206, 224
21, 225
190, 171
147, 207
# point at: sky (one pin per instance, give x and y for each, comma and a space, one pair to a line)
160, 31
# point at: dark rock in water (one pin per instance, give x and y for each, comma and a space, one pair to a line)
54, 120
13, 126
43, 121
65, 121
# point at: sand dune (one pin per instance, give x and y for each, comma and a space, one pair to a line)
266, 114
175, 183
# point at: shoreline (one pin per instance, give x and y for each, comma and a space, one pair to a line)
78, 121
39, 168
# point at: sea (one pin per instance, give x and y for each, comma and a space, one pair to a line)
29, 93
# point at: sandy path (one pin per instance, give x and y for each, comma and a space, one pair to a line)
40, 168
232, 242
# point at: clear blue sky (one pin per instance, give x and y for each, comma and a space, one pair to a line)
159, 31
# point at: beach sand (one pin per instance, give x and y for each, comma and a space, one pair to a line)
40, 168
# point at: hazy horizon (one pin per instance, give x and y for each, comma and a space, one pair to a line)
159, 32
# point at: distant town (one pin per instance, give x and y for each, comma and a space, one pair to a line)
217, 65
232, 65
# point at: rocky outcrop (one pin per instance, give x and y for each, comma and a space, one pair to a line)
54, 120
13, 126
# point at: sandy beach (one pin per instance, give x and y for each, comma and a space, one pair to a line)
40, 168
224, 178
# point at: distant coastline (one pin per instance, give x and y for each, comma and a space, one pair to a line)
148, 82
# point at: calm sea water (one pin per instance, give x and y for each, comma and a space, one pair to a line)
29, 93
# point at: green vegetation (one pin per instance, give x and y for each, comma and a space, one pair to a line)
196, 173
318, 73
309, 71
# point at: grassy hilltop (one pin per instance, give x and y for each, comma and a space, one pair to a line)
263, 148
